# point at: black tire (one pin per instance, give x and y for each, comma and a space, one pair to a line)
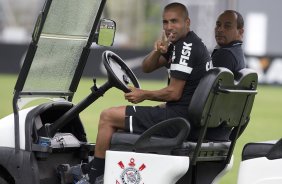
3, 181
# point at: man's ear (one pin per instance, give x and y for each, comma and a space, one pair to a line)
240, 34
187, 21
241, 31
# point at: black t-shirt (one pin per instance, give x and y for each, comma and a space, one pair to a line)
230, 56
188, 59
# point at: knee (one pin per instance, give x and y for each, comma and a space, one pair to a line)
106, 117
106, 114
113, 117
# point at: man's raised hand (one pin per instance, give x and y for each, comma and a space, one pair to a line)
163, 44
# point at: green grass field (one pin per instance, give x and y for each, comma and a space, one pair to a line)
265, 124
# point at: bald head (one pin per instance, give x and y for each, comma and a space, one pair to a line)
239, 18
179, 7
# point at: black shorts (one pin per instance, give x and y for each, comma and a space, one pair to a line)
140, 118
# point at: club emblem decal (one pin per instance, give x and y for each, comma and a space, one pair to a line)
130, 174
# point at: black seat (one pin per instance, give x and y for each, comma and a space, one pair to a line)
148, 142
219, 102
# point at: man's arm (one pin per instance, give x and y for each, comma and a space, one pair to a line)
172, 92
153, 61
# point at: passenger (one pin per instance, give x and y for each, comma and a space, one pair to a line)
229, 30
228, 53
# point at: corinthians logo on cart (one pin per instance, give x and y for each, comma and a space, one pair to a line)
130, 174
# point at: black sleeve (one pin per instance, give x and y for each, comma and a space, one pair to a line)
223, 58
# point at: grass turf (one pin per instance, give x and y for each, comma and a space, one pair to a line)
265, 124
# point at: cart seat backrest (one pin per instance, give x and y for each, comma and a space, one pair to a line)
221, 99
221, 104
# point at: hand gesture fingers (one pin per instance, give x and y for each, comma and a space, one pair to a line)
164, 38
162, 45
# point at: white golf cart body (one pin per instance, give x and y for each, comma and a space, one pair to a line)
7, 127
36, 140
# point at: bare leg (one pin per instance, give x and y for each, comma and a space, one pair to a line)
110, 120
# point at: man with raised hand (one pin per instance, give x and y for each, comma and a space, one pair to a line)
185, 56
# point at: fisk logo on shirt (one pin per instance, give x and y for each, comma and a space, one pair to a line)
185, 53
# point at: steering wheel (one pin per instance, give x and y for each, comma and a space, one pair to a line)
119, 75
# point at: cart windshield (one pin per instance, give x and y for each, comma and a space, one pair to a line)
57, 59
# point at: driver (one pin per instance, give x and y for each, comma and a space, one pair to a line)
187, 59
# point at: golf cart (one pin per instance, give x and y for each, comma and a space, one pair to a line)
34, 141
